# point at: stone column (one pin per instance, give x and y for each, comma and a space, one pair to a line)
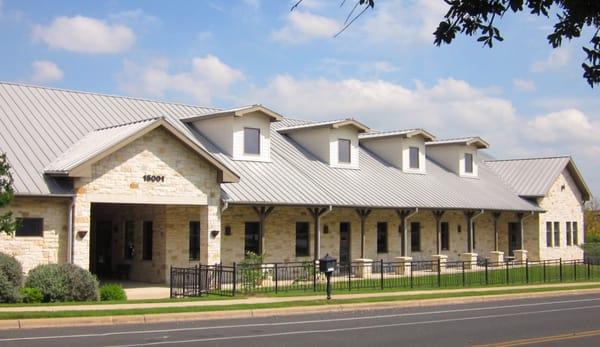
470, 260
364, 268
403, 265
520, 255
496, 257
438, 259
210, 234
82, 229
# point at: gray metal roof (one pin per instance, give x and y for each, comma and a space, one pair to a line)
403, 132
472, 140
533, 177
38, 124
330, 123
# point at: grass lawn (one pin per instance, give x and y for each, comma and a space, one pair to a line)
391, 297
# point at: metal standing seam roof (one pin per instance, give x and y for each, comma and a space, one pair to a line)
533, 177
403, 132
473, 140
38, 124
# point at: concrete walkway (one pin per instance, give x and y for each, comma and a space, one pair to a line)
275, 299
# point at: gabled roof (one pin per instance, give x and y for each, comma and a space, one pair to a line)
37, 124
237, 112
102, 142
533, 177
406, 133
467, 141
338, 123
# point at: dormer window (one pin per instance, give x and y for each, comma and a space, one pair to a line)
252, 141
344, 151
468, 163
414, 158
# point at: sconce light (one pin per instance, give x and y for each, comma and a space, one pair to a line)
562, 188
214, 233
81, 234
228, 231
459, 229
326, 229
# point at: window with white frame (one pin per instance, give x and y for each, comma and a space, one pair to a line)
252, 141
468, 163
575, 234
413, 158
344, 151
548, 234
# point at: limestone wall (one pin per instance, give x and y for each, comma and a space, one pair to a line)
562, 204
52, 247
279, 233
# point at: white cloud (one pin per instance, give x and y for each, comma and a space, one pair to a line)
252, 3
134, 17
202, 80
557, 59
302, 26
45, 71
567, 125
404, 22
85, 35
524, 85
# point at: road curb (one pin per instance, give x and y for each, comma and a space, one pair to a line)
271, 312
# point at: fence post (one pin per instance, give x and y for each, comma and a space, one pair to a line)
234, 279
171, 284
381, 262
588, 269
560, 269
463, 274
439, 272
527, 270
349, 276
486, 272
411, 275
275, 275
575, 270
314, 276
507, 276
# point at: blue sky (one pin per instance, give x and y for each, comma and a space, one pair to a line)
522, 96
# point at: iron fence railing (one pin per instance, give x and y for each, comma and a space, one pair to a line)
302, 277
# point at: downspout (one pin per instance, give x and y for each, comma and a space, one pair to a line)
471, 220
405, 236
70, 232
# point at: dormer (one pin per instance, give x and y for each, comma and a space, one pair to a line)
458, 155
242, 133
334, 142
404, 149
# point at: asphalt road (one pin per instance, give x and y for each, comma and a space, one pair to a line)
572, 320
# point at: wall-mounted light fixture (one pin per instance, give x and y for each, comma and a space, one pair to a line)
325, 229
81, 234
214, 233
227, 230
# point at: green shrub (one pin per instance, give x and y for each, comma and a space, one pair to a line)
31, 295
592, 250
252, 271
12, 269
8, 292
64, 282
112, 292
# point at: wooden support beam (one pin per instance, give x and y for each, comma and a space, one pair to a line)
263, 212
437, 215
363, 213
469, 217
316, 213
496, 217
403, 214
520, 217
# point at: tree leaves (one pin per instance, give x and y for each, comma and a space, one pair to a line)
7, 224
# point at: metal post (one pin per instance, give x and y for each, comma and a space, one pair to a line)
463, 274
527, 270
439, 272
234, 275
171, 283
314, 276
349, 274
560, 269
275, 275
588, 269
507, 276
574, 270
184, 276
486, 271
411, 274
381, 262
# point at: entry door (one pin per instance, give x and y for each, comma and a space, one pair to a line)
513, 237
103, 248
344, 242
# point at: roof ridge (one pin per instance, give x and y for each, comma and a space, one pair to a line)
530, 158
20, 84
457, 138
129, 123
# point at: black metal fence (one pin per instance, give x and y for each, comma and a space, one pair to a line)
304, 277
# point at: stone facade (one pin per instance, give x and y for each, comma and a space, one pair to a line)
52, 246
118, 178
563, 203
279, 234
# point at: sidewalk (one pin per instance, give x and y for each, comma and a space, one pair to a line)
274, 299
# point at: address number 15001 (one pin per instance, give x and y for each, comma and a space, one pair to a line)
153, 178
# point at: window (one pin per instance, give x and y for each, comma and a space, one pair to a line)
413, 157
30, 227
252, 141
569, 240
468, 163
302, 239
251, 237
548, 234
194, 242
128, 244
343, 151
148, 234
556, 234
415, 237
445, 235
575, 234
382, 237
